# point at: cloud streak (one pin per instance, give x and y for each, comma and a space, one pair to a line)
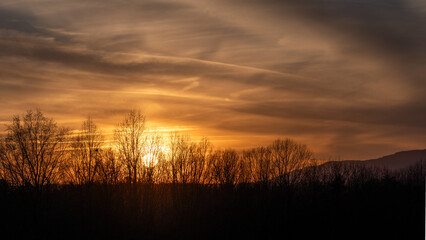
346, 77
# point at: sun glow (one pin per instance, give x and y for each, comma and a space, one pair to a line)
154, 151
150, 160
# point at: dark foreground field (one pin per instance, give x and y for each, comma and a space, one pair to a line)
378, 209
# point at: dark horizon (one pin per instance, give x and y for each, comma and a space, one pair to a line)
61, 184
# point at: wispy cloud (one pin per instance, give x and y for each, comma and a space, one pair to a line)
347, 77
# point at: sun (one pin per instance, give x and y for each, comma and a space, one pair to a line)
150, 160
155, 149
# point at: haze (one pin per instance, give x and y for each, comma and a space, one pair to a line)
345, 77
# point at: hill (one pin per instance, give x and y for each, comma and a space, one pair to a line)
398, 160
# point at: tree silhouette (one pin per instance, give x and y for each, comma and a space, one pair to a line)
152, 151
130, 142
257, 193
260, 158
180, 157
86, 154
110, 170
289, 156
199, 157
224, 166
246, 167
33, 151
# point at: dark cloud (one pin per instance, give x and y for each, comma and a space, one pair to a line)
412, 114
347, 77
16, 21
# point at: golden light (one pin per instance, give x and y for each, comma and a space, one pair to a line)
150, 160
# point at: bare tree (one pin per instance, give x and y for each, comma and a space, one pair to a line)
173, 155
162, 173
179, 157
198, 154
289, 156
86, 154
224, 166
246, 166
152, 152
110, 169
262, 164
33, 150
187, 160
183, 163
130, 143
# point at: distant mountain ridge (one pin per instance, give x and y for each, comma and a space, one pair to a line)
397, 160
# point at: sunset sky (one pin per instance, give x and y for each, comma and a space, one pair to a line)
346, 77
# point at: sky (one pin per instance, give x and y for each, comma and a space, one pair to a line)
346, 77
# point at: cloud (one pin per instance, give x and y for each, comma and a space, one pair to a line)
347, 77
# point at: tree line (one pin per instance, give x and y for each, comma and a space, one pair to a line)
145, 185
36, 152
